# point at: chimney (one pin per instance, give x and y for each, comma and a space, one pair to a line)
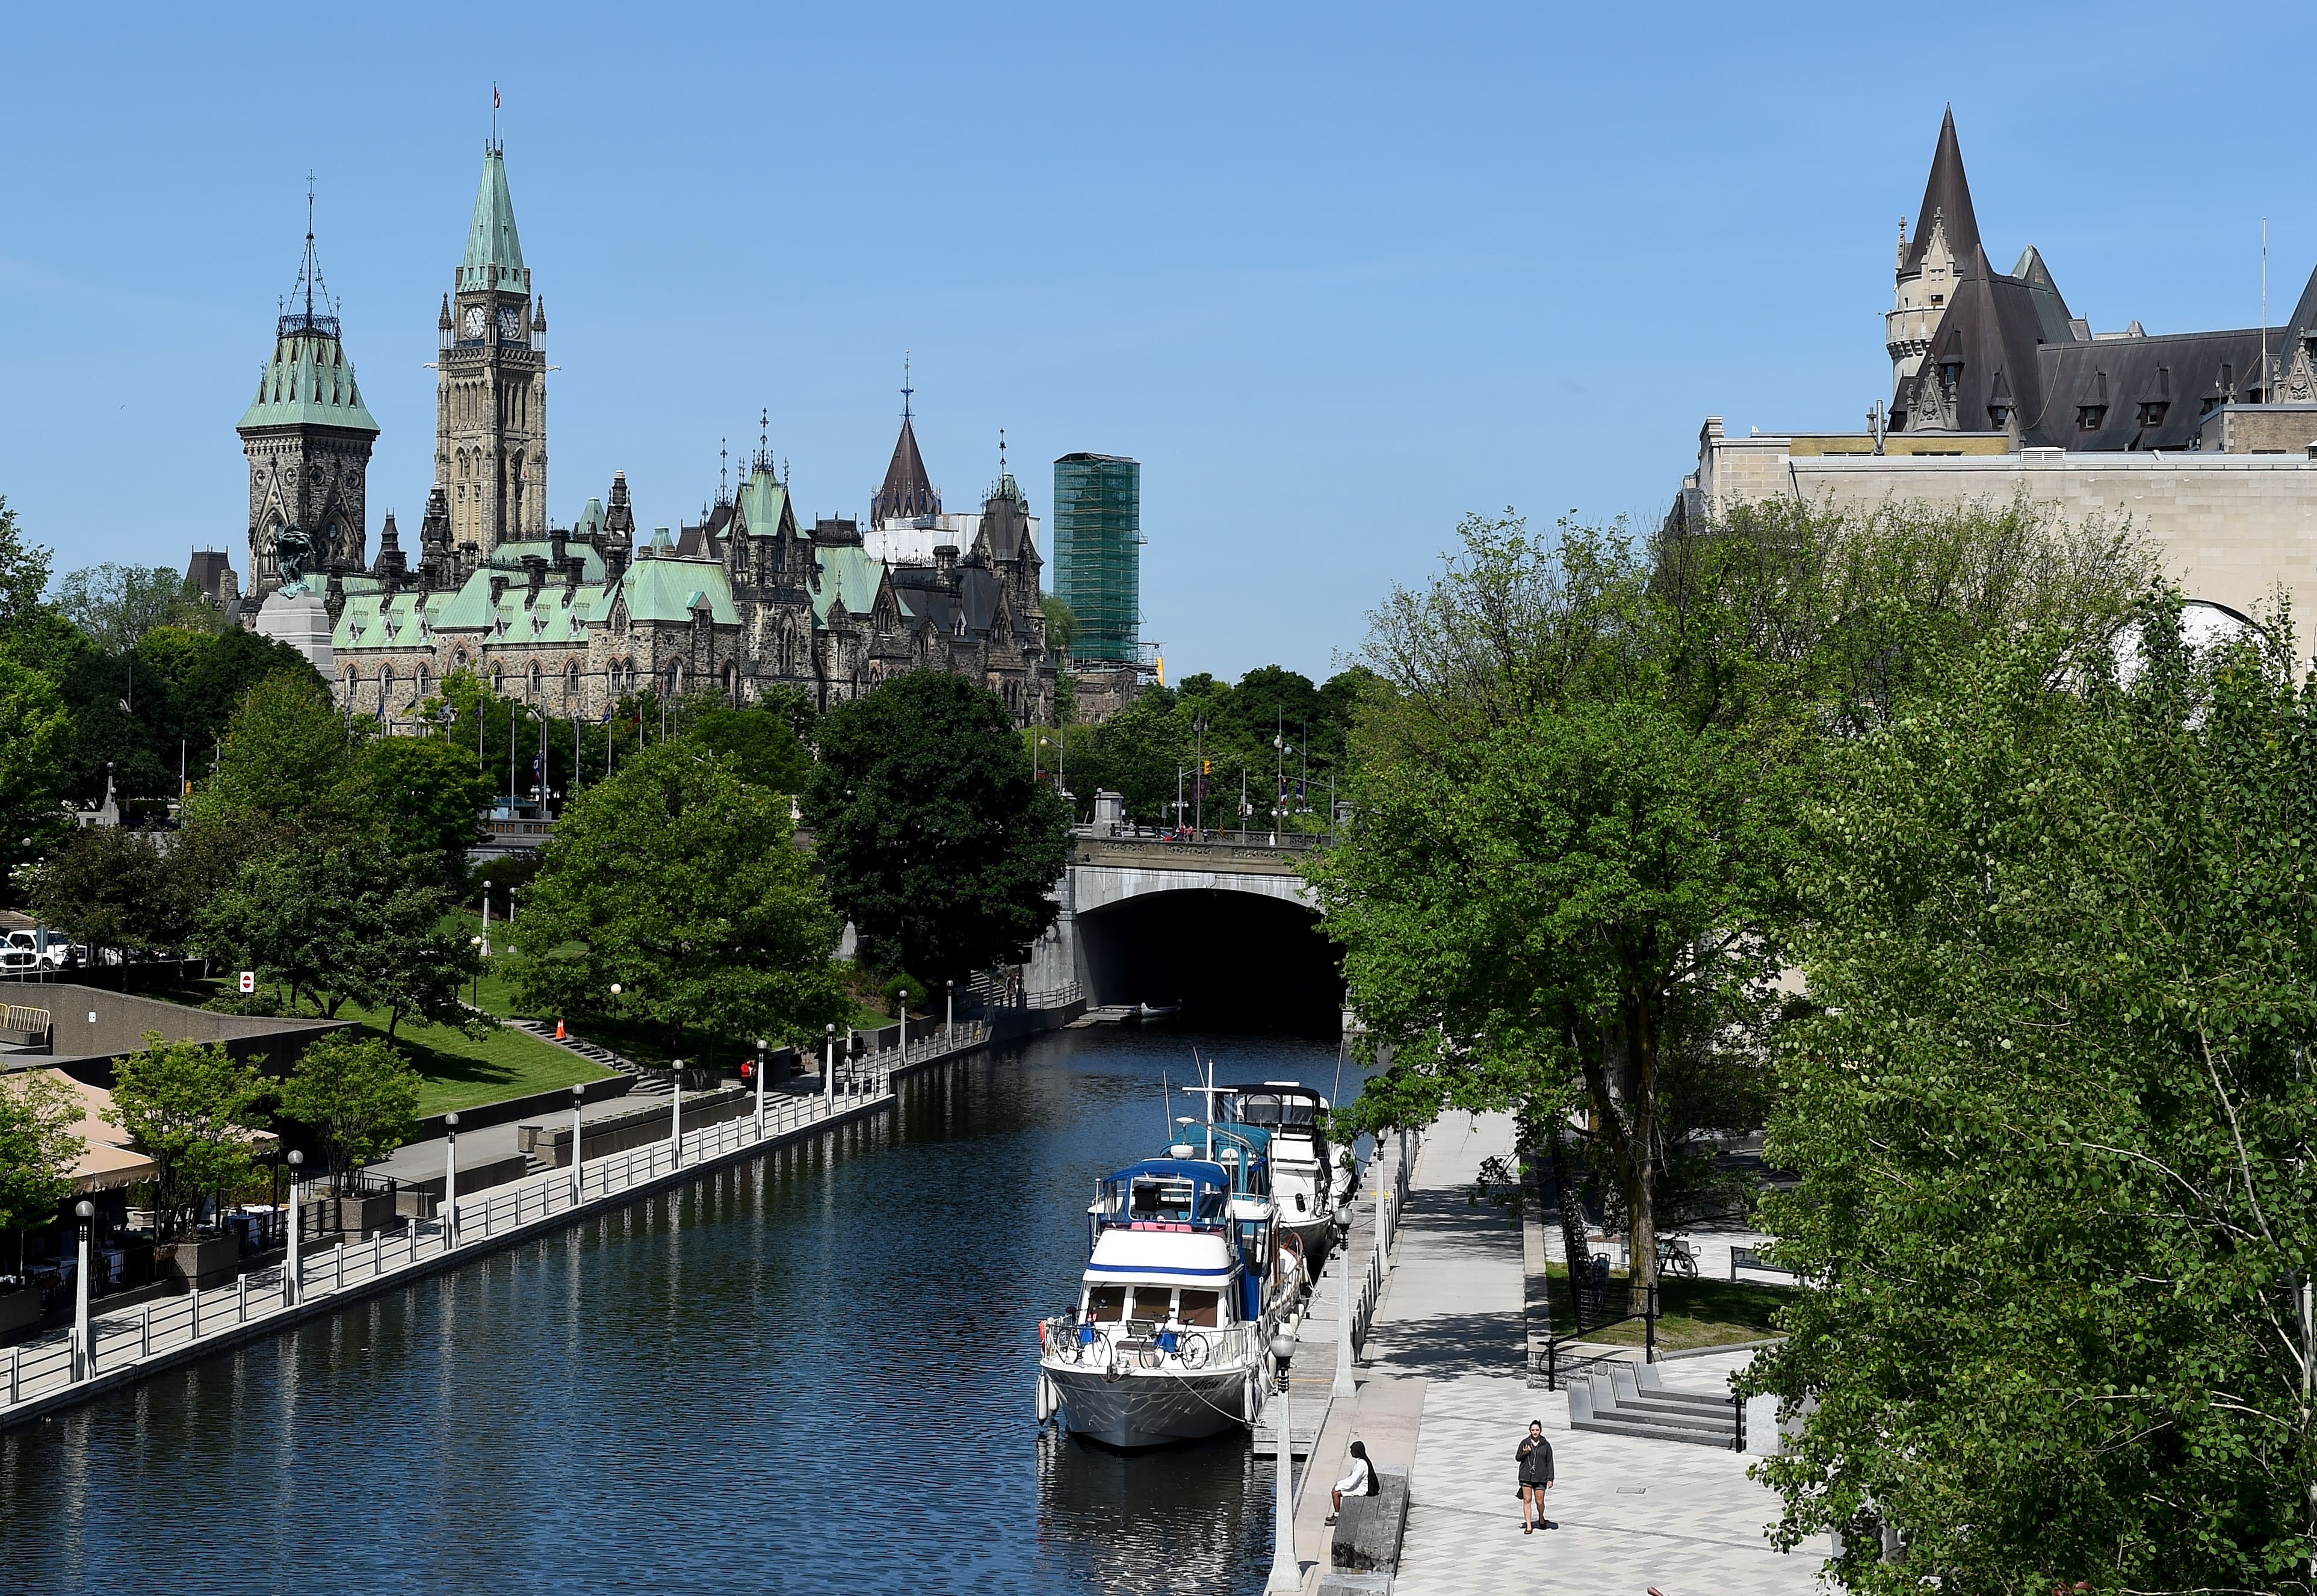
946, 564
534, 577
555, 549
498, 588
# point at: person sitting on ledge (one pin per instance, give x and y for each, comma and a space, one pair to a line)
1359, 1480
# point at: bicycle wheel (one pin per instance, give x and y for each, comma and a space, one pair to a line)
1195, 1351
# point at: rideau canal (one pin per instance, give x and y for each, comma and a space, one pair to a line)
810, 1372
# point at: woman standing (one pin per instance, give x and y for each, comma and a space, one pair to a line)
1535, 1459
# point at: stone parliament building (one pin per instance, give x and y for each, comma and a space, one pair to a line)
2205, 442
569, 620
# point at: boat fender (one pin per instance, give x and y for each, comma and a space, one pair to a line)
1045, 1399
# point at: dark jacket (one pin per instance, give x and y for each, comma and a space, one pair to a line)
1535, 1462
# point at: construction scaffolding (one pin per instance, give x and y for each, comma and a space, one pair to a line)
1099, 553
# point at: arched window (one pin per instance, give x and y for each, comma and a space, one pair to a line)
535, 681
571, 686
498, 679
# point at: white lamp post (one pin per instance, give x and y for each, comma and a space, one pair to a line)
450, 1180
290, 1278
949, 1014
828, 1069
676, 1114
1345, 1387
487, 920
760, 1087
1286, 1571
578, 1180
84, 1349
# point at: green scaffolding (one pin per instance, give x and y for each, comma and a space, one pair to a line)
1098, 553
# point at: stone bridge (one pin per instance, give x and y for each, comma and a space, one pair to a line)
1222, 923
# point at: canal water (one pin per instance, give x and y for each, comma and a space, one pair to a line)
813, 1372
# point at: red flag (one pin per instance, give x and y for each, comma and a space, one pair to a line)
495, 96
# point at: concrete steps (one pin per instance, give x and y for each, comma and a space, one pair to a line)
1631, 1399
649, 1084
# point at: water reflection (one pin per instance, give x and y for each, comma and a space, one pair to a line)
811, 1373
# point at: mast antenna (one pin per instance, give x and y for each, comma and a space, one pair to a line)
905, 389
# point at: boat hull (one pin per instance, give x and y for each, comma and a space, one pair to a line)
1150, 1407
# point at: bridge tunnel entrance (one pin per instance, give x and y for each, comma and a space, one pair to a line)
1225, 956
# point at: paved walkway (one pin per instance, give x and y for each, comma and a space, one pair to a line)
1632, 1513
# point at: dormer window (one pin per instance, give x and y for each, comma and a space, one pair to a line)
1998, 416
2152, 414
1950, 373
2089, 418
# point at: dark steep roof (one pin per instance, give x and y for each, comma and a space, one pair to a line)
2185, 374
1946, 195
908, 492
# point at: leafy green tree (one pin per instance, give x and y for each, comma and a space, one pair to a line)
287, 757
354, 920
39, 1145
192, 1108
1583, 776
428, 797
758, 743
23, 572
359, 1094
1061, 626
681, 882
106, 887
35, 739
117, 605
928, 829
188, 684
2052, 1109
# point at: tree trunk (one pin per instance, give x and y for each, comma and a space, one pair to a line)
1572, 1224
1638, 1168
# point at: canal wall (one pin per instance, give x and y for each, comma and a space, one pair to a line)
37, 1380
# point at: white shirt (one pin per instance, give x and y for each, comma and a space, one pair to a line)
1355, 1484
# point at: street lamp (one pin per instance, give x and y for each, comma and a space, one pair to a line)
675, 1113
578, 1180
1286, 1572
292, 1277
949, 1014
828, 1068
84, 1349
450, 1180
761, 1050
475, 999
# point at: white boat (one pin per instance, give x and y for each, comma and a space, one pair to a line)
1171, 1337
1304, 1183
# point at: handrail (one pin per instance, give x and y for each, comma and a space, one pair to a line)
36, 1371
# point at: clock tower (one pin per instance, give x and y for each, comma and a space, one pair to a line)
490, 407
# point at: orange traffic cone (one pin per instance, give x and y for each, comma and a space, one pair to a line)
559, 1036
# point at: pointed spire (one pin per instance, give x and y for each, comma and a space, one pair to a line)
493, 258
1946, 205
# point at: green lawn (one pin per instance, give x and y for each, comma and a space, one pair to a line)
457, 1071
1695, 1313
645, 1044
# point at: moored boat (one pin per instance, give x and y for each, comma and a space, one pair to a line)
1179, 1295
1305, 1184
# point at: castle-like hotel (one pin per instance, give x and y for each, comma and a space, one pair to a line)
569, 620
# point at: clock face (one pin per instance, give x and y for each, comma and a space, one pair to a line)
474, 321
510, 323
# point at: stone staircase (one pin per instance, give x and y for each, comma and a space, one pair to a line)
649, 1083
1617, 1397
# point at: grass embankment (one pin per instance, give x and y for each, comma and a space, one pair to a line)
644, 1043
457, 1071
1695, 1313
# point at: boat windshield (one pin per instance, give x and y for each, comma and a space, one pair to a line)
1106, 1305
1276, 1110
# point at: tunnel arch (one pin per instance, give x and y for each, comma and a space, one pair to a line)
1222, 951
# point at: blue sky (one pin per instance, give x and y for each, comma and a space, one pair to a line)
1336, 276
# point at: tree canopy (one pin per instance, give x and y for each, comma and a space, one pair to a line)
190, 1108
1582, 777
929, 831
2051, 1106
360, 1096
681, 882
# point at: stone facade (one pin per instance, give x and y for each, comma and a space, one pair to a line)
1999, 392
572, 620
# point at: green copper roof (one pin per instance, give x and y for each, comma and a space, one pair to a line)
763, 502
850, 572
310, 382
509, 558
665, 589
494, 252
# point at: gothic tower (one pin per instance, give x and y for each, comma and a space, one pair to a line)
490, 408
307, 437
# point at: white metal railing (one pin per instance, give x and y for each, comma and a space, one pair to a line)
1062, 1338
40, 1369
